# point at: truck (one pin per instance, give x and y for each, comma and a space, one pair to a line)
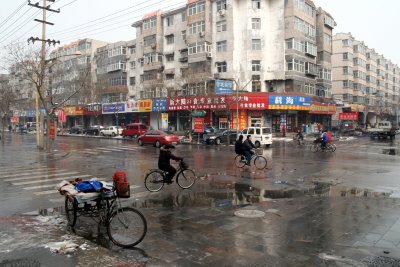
382, 129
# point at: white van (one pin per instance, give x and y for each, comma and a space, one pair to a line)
260, 135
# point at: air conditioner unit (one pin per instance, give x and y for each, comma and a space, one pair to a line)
209, 54
153, 46
222, 12
201, 34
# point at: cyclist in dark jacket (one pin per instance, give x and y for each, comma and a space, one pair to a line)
239, 145
164, 162
248, 147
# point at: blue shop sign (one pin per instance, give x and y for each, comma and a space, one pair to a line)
30, 113
159, 104
223, 87
289, 100
114, 107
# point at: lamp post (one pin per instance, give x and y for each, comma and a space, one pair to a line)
237, 102
39, 92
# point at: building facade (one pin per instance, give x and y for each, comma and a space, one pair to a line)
365, 82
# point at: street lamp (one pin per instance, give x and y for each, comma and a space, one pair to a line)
41, 89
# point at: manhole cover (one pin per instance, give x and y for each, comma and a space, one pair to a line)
250, 213
381, 261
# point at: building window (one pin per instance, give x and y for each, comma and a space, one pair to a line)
149, 23
256, 23
132, 81
197, 8
221, 26
169, 76
255, 83
149, 40
347, 56
169, 57
304, 27
348, 84
221, 46
221, 66
183, 16
256, 65
132, 65
295, 44
170, 39
310, 48
256, 4
221, 4
132, 50
256, 44
199, 47
170, 21
295, 65
116, 51
183, 34
327, 39
347, 70
346, 42
197, 27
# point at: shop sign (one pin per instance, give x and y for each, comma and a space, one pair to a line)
15, 119
31, 113
16, 113
159, 104
242, 120
348, 116
109, 108
62, 116
145, 105
199, 113
52, 130
214, 102
198, 125
322, 108
164, 121
223, 87
73, 110
92, 109
288, 102
132, 105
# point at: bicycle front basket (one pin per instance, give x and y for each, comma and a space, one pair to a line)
259, 151
184, 165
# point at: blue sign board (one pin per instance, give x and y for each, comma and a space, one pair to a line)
223, 87
159, 104
114, 107
289, 100
30, 113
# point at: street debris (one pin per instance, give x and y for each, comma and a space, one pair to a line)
64, 247
341, 259
280, 182
249, 213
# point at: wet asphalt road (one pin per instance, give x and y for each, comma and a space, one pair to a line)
195, 227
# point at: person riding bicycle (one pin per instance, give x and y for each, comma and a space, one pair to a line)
164, 162
248, 147
239, 145
324, 139
299, 136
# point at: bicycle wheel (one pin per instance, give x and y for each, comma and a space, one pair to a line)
260, 162
186, 178
314, 148
126, 227
240, 161
154, 181
332, 147
70, 210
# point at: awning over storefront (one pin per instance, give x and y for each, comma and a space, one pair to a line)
322, 108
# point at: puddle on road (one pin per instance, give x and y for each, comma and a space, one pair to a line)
390, 151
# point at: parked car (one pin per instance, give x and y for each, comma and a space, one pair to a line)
207, 131
77, 129
260, 135
93, 130
158, 138
111, 131
221, 137
133, 130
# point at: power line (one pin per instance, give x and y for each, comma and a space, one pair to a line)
4, 22
19, 26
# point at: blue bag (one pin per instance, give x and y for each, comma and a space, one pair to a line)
88, 186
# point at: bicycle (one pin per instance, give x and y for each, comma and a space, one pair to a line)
156, 178
126, 227
317, 146
297, 141
258, 160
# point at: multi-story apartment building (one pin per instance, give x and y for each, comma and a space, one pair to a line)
270, 46
365, 81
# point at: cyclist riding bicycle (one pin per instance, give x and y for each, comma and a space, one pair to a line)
299, 137
248, 147
164, 162
239, 145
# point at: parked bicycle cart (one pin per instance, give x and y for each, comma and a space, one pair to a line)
156, 178
258, 160
126, 226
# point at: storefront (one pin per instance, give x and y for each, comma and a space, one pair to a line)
288, 112
158, 116
321, 113
92, 115
74, 115
114, 114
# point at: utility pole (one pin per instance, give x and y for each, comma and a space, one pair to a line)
40, 89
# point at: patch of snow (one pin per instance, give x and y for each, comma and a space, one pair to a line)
64, 247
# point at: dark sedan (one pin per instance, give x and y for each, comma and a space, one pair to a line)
93, 130
77, 129
222, 137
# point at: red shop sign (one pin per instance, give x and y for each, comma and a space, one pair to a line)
250, 101
348, 116
198, 125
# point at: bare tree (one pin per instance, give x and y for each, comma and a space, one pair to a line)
52, 95
7, 98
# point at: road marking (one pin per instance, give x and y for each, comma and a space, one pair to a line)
17, 172
50, 180
39, 186
57, 200
108, 149
41, 172
40, 176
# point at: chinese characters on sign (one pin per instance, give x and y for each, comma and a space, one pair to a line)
52, 130
145, 105
159, 104
321, 108
242, 120
223, 87
114, 107
349, 116
289, 102
132, 106
198, 125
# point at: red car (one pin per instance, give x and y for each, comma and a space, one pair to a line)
158, 138
133, 130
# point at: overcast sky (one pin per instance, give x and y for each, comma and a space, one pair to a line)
368, 20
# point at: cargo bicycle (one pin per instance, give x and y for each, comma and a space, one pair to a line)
126, 226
